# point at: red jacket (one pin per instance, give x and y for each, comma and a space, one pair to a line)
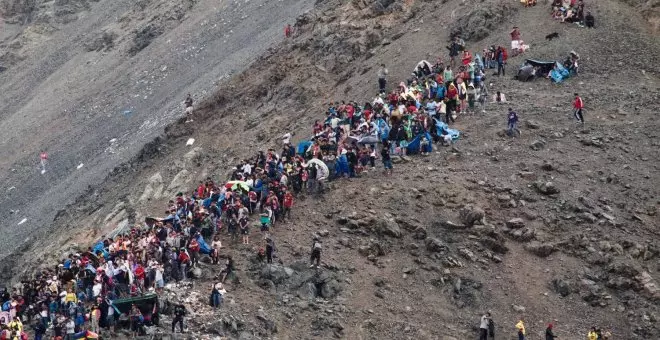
288, 201
578, 103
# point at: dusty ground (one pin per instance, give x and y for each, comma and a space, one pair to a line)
400, 257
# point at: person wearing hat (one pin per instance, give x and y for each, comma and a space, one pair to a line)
316, 253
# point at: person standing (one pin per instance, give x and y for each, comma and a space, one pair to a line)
188, 104
270, 249
578, 105
512, 122
501, 60
179, 313
549, 335
44, 159
70, 328
483, 326
287, 204
316, 253
520, 326
386, 158
515, 40
382, 78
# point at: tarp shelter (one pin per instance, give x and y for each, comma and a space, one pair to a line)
526, 73
148, 305
414, 145
543, 67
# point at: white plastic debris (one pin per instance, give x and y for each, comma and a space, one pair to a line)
80, 166
22, 221
190, 141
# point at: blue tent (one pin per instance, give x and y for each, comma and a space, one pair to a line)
442, 126
414, 145
303, 146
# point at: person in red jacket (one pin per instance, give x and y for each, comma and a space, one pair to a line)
451, 99
194, 247
184, 261
578, 105
288, 204
288, 31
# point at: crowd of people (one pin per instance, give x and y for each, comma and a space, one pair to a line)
487, 330
77, 298
572, 11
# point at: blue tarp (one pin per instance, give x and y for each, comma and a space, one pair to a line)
440, 126
383, 128
341, 166
203, 246
100, 248
303, 146
414, 145
559, 73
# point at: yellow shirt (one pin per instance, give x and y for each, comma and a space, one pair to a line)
592, 336
71, 297
521, 327
16, 325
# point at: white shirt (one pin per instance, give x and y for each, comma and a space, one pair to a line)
247, 169
70, 327
96, 290
484, 322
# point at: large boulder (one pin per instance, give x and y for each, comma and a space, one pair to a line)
471, 215
389, 228
515, 223
435, 245
546, 188
562, 287
276, 273
540, 249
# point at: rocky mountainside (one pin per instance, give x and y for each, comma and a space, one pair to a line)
558, 225
90, 82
